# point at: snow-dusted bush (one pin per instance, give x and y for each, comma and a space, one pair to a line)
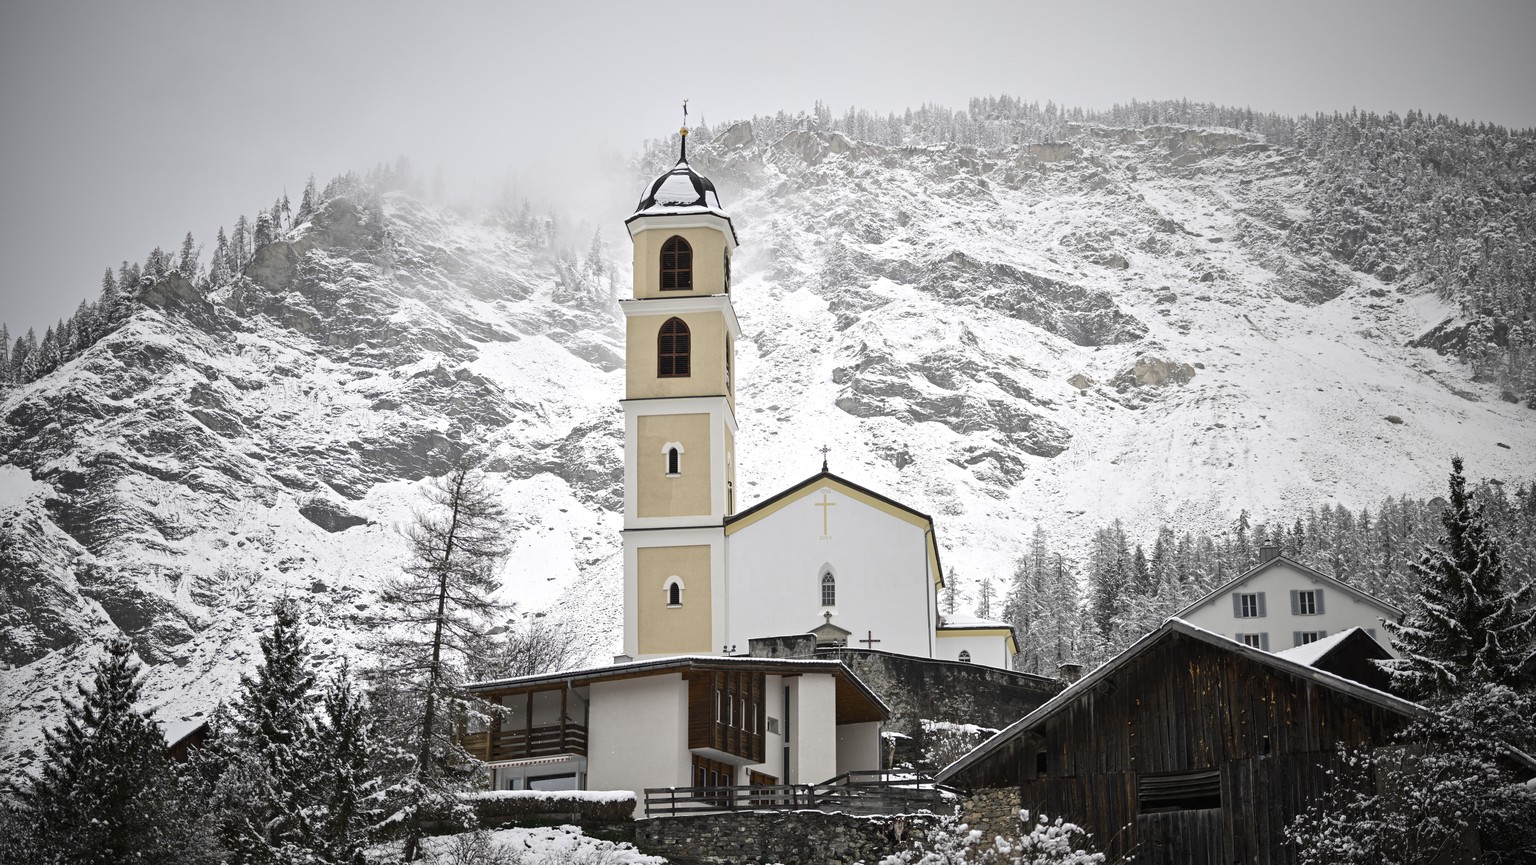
605, 806
1040, 841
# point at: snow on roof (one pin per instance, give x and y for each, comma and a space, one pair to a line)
175, 731
1177, 625
1310, 653
961, 620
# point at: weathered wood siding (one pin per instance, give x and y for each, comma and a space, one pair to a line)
1184, 705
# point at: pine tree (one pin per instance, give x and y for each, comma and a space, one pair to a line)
1463, 629
186, 263
106, 793
436, 617
263, 787
218, 269
5, 354
348, 802
263, 231
307, 203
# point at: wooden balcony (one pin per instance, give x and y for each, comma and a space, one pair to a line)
521, 744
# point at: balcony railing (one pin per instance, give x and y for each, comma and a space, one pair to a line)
523, 743
852, 793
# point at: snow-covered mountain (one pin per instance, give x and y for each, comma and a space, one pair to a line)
1119, 324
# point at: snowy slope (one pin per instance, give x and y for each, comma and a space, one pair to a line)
1117, 325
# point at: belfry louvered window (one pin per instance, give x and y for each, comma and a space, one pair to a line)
672, 349
676, 265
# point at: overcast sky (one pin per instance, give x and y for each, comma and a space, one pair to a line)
124, 125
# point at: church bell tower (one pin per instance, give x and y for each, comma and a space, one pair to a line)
679, 416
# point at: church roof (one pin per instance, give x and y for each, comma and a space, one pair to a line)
744, 518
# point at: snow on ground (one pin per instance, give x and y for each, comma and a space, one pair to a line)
551, 845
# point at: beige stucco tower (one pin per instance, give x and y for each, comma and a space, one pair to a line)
679, 416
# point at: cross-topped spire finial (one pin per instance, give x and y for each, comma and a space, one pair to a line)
824, 451
682, 155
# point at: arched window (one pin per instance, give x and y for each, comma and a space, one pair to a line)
673, 452
676, 265
674, 590
672, 350
672, 462
965, 657
828, 590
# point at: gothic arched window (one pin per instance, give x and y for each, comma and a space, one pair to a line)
676, 265
965, 657
828, 590
672, 350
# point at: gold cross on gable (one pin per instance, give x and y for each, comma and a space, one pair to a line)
824, 504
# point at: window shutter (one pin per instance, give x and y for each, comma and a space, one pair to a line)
1264, 641
1295, 635
1262, 611
1318, 596
1295, 602
1237, 605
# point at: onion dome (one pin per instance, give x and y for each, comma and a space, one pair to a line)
680, 190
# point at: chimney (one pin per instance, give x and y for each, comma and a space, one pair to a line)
1069, 671
1268, 551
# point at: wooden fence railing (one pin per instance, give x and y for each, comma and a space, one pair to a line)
519, 744
852, 793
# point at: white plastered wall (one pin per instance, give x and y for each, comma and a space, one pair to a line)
858, 747
813, 736
988, 651
1341, 610
638, 735
774, 567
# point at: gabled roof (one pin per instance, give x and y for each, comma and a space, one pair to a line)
1086, 685
1311, 573
736, 522
851, 690
1315, 651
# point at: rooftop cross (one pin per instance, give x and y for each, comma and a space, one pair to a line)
869, 639
682, 155
824, 451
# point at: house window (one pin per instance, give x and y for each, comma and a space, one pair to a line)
672, 350
674, 590
1248, 605
676, 265
1258, 641
965, 657
1304, 637
1307, 603
828, 590
1178, 791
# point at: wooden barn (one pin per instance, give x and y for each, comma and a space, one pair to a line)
1188, 747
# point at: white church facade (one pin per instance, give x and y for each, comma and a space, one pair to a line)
701, 577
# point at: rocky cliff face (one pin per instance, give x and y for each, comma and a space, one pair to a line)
1125, 323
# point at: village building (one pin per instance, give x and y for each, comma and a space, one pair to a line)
1280, 604
695, 721
1187, 747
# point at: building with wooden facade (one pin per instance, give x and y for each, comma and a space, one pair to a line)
1187, 747
689, 722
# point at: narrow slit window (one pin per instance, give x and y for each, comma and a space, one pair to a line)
673, 349
676, 265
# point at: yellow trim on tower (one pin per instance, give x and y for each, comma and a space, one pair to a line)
974, 632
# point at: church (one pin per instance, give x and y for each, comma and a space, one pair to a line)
826, 566
701, 576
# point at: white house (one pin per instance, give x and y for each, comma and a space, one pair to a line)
692, 721
975, 640
1279, 604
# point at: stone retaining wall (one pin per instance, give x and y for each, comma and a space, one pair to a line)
992, 811
787, 837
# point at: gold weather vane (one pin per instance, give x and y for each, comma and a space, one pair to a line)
682, 153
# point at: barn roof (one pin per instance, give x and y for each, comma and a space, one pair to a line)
1165, 631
